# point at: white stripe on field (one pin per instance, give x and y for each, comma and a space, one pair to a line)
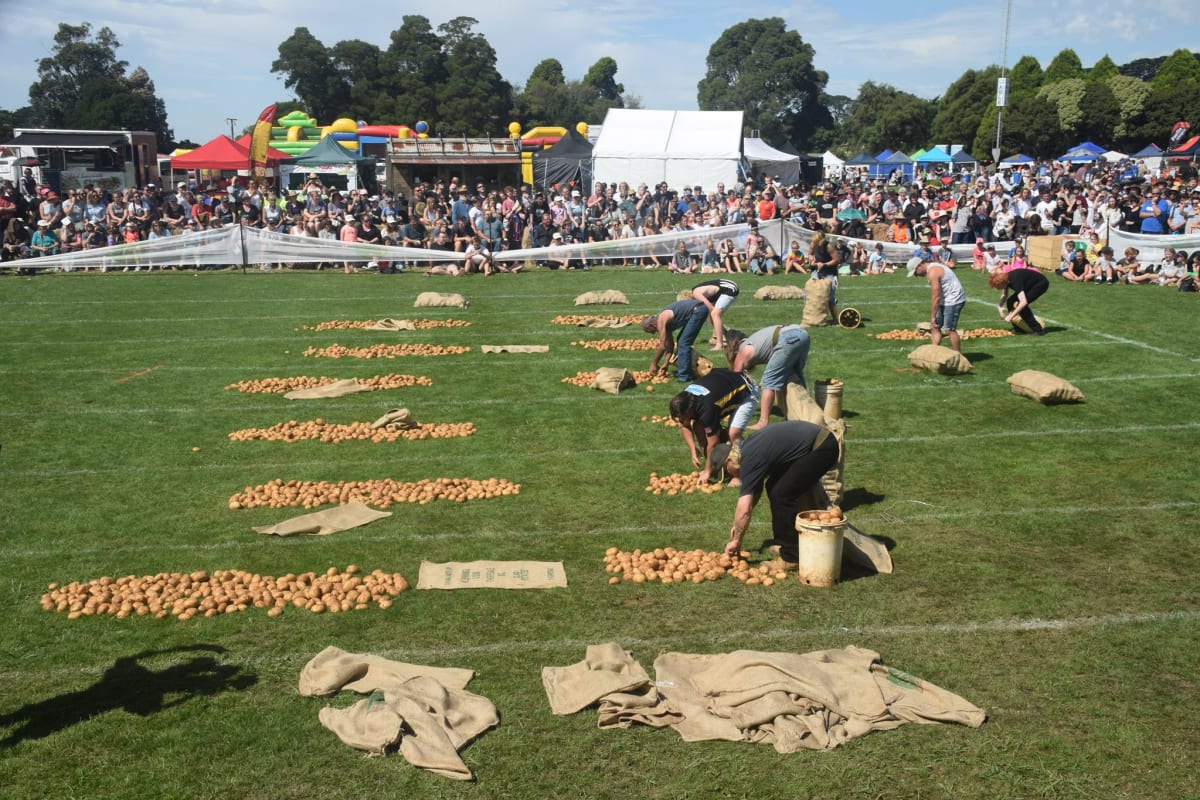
366, 537
571, 647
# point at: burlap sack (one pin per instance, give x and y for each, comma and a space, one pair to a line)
779, 293
492, 575
434, 299
323, 523
939, 359
389, 324
400, 418
1047, 389
799, 404
613, 380
606, 297
701, 366
834, 481
816, 301
515, 348
336, 389
1021, 326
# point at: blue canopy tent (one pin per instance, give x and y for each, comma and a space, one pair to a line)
1090, 147
1149, 151
896, 161
1019, 158
863, 159
964, 159
1079, 157
934, 155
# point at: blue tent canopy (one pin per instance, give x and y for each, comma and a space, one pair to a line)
1078, 156
860, 160
934, 155
1090, 147
896, 161
1149, 151
1019, 158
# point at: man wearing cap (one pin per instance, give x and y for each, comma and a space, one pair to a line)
701, 406
685, 318
947, 299
784, 351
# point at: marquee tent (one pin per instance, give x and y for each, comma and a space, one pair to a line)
764, 158
861, 160
567, 163
1079, 156
894, 161
679, 147
830, 163
934, 155
964, 159
327, 157
1189, 149
1019, 158
220, 153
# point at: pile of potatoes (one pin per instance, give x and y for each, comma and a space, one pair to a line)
913, 336
379, 493
420, 324
225, 591
385, 351
281, 385
661, 420
604, 345
642, 376
677, 483
294, 431
668, 565
829, 516
590, 319
985, 333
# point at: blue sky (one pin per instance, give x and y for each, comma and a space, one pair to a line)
211, 59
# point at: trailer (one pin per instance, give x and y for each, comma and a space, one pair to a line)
75, 159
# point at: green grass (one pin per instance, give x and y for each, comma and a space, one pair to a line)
1045, 557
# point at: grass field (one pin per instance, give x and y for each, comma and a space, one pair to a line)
1045, 556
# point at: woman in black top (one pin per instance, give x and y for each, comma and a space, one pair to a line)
1018, 289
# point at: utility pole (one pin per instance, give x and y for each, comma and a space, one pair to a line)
1002, 88
232, 120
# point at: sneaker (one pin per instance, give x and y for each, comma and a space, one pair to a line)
1099, 280
1112, 280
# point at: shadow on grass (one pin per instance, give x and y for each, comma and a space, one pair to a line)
860, 498
975, 358
130, 686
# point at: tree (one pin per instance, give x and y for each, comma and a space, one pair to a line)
415, 66
964, 104
475, 99
1102, 70
1130, 95
602, 77
541, 100
83, 85
1165, 106
1179, 66
1025, 78
1065, 66
1031, 127
359, 65
1099, 113
309, 70
1067, 97
766, 71
885, 117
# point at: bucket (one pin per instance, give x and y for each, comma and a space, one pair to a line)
820, 552
828, 395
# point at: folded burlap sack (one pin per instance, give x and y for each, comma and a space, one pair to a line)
1045, 388
780, 293
1021, 326
400, 418
602, 322
816, 301
613, 380
334, 669
606, 297
432, 299
940, 359
801, 405
323, 523
336, 389
515, 348
389, 324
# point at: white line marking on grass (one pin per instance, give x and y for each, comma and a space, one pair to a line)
1025, 434
675, 643
1021, 512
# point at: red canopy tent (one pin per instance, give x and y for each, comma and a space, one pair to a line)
273, 156
222, 153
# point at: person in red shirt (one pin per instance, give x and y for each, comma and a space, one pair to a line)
767, 209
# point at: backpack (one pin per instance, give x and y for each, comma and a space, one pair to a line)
1189, 284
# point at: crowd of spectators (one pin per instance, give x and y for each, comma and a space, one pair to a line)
479, 221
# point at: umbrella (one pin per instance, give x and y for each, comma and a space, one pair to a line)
851, 213
27, 161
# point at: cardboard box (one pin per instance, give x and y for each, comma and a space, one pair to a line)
1045, 252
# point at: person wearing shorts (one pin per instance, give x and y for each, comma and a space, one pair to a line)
718, 295
701, 406
784, 351
947, 299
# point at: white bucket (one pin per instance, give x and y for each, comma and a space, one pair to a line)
820, 552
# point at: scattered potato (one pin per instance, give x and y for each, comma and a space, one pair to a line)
349, 324
972, 333
588, 319
660, 420
830, 516
281, 385
677, 483
605, 345
585, 379
385, 351
186, 595
382, 493
293, 431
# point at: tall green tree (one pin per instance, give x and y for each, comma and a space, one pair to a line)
1065, 66
475, 100
1031, 127
766, 71
1025, 78
602, 76
415, 66
885, 117
1067, 97
1179, 66
1165, 106
359, 65
1102, 70
309, 69
964, 104
1130, 95
83, 84
1099, 114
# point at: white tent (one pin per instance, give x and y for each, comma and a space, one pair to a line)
679, 147
831, 165
784, 167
